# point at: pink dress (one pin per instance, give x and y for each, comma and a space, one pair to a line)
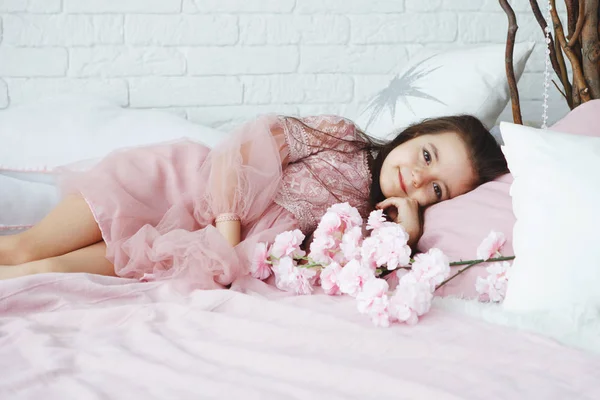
156, 205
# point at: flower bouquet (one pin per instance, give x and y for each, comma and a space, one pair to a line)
373, 264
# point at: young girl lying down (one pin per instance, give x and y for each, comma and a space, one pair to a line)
184, 211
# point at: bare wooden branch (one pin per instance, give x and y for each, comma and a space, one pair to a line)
564, 75
508, 61
558, 88
576, 98
590, 48
559, 69
572, 16
573, 39
578, 76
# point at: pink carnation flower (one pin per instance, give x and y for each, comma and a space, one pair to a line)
368, 252
283, 270
291, 278
373, 301
287, 244
411, 300
330, 278
353, 276
302, 280
392, 249
493, 287
379, 313
491, 245
376, 220
387, 246
432, 267
351, 242
260, 268
330, 224
323, 249
348, 214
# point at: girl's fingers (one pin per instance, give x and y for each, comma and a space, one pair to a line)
390, 201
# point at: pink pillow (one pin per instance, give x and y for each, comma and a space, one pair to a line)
458, 226
583, 120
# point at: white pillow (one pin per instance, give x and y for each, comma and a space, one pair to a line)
556, 201
57, 131
37, 137
465, 81
23, 203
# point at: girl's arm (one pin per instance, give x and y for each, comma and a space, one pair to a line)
225, 180
230, 229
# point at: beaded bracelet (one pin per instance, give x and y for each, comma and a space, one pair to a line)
227, 217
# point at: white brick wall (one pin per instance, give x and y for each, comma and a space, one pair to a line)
222, 61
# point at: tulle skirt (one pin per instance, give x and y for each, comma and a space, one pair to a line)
156, 205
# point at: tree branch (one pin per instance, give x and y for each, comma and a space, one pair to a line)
557, 88
559, 68
590, 48
576, 98
564, 77
579, 26
508, 61
542, 22
578, 76
572, 16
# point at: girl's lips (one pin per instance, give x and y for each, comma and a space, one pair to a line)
401, 181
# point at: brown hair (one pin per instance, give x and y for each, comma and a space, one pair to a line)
486, 156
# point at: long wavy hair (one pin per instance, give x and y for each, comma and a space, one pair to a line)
485, 154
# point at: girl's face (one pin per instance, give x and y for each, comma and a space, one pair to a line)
428, 169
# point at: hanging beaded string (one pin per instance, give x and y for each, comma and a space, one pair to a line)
547, 68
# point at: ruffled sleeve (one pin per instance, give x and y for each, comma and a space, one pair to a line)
243, 174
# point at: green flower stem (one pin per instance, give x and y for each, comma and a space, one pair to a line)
469, 264
388, 271
459, 272
311, 265
457, 263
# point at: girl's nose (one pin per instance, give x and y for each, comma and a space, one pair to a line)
417, 177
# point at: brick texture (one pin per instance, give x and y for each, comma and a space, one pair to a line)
219, 62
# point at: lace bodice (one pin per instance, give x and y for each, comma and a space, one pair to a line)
324, 167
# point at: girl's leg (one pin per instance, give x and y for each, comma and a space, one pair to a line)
90, 259
70, 226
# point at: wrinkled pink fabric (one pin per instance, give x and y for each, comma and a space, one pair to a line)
155, 205
90, 337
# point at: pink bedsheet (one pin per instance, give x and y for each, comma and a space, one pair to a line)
89, 337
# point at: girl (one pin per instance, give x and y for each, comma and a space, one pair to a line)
183, 211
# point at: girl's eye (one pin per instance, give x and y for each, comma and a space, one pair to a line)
438, 191
427, 156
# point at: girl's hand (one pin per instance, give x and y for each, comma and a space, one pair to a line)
404, 211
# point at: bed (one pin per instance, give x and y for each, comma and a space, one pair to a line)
91, 337
81, 336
